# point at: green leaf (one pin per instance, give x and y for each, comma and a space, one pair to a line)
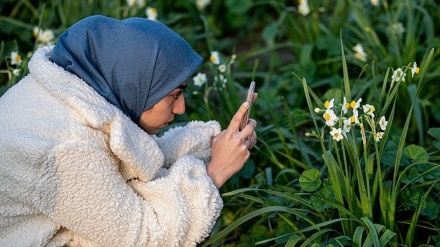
411, 197
341, 241
248, 169
431, 210
389, 153
310, 180
412, 176
293, 241
238, 7
317, 200
270, 31
416, 153
434, 172
434, 132
436, 144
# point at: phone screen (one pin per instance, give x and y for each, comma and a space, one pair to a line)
249, 99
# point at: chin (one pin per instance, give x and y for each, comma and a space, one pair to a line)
153, 132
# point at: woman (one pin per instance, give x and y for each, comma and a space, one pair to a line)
80, 164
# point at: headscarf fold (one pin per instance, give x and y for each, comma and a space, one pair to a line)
132, 63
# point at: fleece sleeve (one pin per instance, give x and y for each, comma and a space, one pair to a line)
191, 206
94, 201
194, 139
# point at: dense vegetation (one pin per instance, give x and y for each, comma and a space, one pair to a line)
347, 109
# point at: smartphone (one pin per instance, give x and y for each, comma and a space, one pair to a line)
249, 99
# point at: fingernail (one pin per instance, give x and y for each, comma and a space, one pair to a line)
246, 104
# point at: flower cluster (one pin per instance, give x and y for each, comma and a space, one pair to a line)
44, 36
136, 3
221, 68
14, 68
347, 115
150, 12
400, 74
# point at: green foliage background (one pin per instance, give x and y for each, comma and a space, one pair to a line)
285, 195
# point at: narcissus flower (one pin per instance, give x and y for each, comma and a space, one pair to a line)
345, 106
347, 125
360, 53
329, 104
337, 134
16, 72
222, 68
215, 57
200, 79
369, 109
374, 2
151, 13
15, 58
383, 123
356, 104
398, 75
378, 136
330, 117
43, 36
140, 3
414, 70
201, 4
131, 3
303, 7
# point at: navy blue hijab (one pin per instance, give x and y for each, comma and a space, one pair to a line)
133, 63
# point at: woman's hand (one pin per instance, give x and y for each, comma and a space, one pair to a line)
230, 148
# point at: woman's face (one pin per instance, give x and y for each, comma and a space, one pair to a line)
162, 113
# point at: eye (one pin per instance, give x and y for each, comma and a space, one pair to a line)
176, 95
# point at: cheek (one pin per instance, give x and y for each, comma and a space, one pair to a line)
163, 112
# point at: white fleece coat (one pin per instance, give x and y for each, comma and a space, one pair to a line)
76, 171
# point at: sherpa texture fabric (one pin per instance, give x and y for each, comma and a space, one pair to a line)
76, 171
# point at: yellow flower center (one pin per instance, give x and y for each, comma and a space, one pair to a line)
326, 116
417, 70
17, 58
352, 119
359, 56
212, 58
353, 104
347, 105
327, 103
336, 135
153, 11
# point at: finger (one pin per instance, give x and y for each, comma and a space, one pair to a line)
249, 128
252, 122
247, 142
236, 119
254, 97
253, 140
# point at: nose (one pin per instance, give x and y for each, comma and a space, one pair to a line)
179, 105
